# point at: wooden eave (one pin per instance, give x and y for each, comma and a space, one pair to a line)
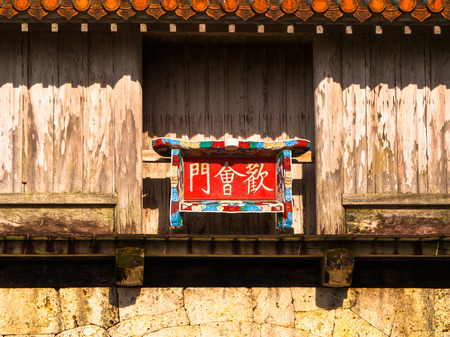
283, 246
289, 11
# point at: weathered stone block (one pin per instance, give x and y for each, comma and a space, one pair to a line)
178, 331
318, 322
142, 325
204, 305
442, 310
148, 301
230, 329
84, 306
307, 299
85, 331
30, 311
347, 324
273, 305
269, 330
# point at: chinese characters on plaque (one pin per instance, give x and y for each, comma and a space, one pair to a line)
229, 178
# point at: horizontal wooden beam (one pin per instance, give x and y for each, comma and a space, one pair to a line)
17, 199
392, 200
293, 246
149, 156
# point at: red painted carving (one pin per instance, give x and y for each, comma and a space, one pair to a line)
110, 5
244, 11
304, 12
96, 10
8, 10
391, 12
140, 5
51, 5
184, 10
333, 12
36, 10
215, 10
348, 6
274, 11
407, 5
436, 6
155, 9
229, 178
362, 14
420, 13
126, 11
66, 10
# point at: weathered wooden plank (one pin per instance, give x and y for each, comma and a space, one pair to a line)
178, 88
391, 199
309, 174
51, 220
436, 109
197, 78
237, 91
128, 129
69, 112
12, 93
98, 148
256, 91
329, 109
410, 115
42, 77
217, 90
384, 113
390, 221
58, 199
273, 127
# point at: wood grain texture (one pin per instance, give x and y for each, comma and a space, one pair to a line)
58, 199
127, 107
383, 114
69, 113
12, 95
51, 220
436, 143
409, 221
329, 110
42, 65
221, 90
404, 199
98, 149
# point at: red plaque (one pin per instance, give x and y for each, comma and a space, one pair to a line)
229, 178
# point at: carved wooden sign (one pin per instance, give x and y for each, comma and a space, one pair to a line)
249, 176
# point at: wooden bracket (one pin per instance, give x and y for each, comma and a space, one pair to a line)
337, 268
130, 266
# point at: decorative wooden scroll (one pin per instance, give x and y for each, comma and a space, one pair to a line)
208, 176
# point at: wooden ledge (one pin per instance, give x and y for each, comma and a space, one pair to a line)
17, 199
403, 200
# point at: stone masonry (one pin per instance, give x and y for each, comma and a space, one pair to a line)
224, 312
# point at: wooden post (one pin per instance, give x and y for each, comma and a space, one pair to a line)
337, 268
127, 106
329, 111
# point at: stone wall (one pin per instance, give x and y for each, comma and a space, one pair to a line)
208, 312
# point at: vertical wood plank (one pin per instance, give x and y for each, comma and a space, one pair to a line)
69, 113
128, 129
42, 76
385, 58
178, 110
293, 123
98, 147
409, 114
329, 109
256, 90
12, 94
276, 91
218, 90
436, 110
237, 91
